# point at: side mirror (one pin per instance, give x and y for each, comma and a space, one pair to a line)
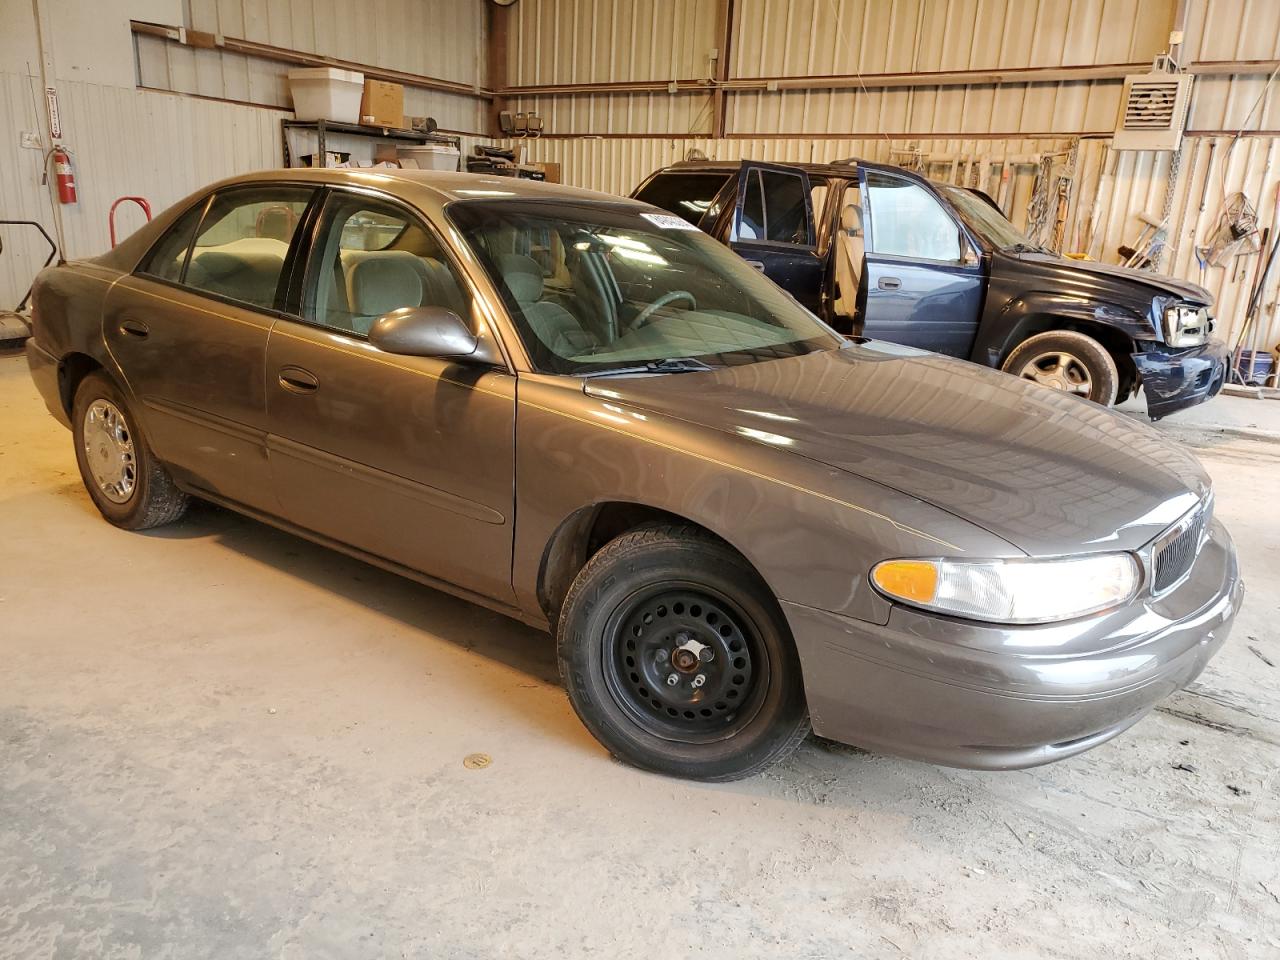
428, 332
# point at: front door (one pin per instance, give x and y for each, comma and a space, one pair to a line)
189, 331
773, 229
924, 284
410, 459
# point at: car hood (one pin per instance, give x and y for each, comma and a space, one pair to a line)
1124, 283
1047, 472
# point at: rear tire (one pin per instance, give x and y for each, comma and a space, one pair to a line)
1069, 362
668, 601
128, 485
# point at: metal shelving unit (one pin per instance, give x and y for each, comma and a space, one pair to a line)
322, 128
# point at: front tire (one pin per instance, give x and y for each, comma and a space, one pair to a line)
677, 658
128, 485
1067, 361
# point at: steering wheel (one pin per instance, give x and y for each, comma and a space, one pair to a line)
643, 316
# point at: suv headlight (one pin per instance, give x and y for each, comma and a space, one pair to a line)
1012, 591
1186, 325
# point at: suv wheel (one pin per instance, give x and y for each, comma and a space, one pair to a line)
128, 485
1067, 361
676, 657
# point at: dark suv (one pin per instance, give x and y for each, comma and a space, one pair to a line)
881, 252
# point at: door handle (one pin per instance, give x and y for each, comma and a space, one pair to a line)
297, 380
889, 283
135, 328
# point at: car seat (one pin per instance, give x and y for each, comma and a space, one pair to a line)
379, 283
551, 323
850, 252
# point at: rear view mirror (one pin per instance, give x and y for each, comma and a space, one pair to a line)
428, 332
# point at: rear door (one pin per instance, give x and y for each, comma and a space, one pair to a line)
189, 332
773, 229
924, 281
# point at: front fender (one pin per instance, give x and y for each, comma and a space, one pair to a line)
1007, 325
810, 530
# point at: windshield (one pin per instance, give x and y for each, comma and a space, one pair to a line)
592, 287
990, 223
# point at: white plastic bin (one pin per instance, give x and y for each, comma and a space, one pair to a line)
430, 156
323, 93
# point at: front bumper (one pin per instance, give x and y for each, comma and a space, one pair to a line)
999, 698
1176, 379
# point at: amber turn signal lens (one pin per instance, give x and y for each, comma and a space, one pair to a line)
913, 580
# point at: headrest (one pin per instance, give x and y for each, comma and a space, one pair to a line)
382, 283
522, 276
851, 218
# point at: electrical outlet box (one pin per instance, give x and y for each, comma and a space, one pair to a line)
28, 140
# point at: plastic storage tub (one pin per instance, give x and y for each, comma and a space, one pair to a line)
323, 93
430, 156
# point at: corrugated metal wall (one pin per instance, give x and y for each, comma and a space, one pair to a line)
669, 40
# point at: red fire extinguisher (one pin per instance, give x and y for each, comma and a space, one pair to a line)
64, 175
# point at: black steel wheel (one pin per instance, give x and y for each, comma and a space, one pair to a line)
678, 660
685, 663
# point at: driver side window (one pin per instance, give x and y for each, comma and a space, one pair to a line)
374, 258
908, 221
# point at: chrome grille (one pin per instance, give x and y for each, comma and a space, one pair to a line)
1175, 551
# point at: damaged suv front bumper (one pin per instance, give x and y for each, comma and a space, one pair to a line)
1174, 379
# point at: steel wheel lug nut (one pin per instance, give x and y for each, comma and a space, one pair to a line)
672, 680
661, 656
706, 654
698, 681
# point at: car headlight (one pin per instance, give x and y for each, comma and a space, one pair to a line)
1186, 325
1012, 591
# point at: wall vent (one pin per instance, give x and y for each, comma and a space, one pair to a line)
1153, 111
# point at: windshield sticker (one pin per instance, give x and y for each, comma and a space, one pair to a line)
665, 221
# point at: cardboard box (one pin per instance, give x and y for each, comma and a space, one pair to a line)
382, 104
550, 171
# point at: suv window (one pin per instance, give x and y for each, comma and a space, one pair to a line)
774, 209
240, 248
908, 221
687, 195
375, 258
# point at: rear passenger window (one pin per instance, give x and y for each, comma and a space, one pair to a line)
166, 259
240, 249
375, 258
774, 209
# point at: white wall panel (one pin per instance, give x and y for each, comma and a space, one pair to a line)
125, 141
435, 38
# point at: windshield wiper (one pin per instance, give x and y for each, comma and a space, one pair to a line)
665, 365
1023, 247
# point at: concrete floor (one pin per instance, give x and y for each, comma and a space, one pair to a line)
219, 741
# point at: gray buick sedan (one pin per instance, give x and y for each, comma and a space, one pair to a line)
586, 414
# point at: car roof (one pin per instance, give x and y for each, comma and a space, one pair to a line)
445, 185
842, 168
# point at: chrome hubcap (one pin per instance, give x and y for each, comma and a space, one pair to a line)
108, 451
1058, 371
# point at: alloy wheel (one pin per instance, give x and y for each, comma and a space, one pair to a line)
1059, 370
